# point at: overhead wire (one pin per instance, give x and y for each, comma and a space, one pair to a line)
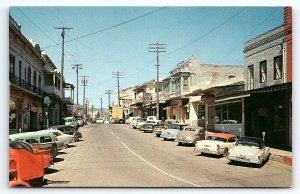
111, 27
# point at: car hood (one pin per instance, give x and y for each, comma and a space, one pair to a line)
245, 151
171, 131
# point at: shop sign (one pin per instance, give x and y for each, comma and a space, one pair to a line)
147, 97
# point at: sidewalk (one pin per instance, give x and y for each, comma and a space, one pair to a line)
282, 156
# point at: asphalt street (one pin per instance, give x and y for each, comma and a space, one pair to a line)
115, 155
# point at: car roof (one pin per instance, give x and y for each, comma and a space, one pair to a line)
224, 135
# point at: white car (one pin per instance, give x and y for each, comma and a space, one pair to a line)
216, 144
99, 121
64, 138
249, 150
139, 122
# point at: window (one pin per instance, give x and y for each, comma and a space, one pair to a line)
278, 67
12, 64
263, 71
20, 69
229, 113
177, 84
250, 81
185, 84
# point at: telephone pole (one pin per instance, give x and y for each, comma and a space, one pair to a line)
157, 48
109, 92
63, 29
101, 108
77, 67
118, 75
84, 84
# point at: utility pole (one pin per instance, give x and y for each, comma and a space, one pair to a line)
157, 48
77, 66
109, 92
118, 75
63, 29
84, 84
101, 108
92, 112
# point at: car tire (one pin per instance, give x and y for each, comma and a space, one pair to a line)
53, 152
225, 152
76, 138
179, 143
157, 135
165, 139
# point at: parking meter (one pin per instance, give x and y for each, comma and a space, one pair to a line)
263, 135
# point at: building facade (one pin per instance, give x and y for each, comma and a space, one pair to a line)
26, 81
268, 74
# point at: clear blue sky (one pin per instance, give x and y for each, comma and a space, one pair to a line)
214, 35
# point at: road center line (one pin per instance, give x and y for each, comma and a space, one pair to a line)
158, 168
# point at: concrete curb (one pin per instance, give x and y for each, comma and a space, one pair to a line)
282, 159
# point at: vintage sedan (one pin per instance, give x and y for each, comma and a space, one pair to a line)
172, 131
189, 135
162, 126
67, 129
216, 144
139, 122
147, 127
249, 150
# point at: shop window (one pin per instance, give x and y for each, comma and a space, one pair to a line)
250, 81
278, 67
12, 115
263, 71
229, 113
201, 111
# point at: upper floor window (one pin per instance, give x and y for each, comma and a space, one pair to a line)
185, 84
250, 81
177, 84
263, 71
20, 69
12, 64
278, 67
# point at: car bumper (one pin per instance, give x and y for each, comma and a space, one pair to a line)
185, 141
244, 160
147, 130
207, 151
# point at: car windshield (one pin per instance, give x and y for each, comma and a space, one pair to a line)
177, 127
140, 120
148, 126
216, 138
249, 142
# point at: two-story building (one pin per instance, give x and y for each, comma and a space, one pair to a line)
184, 88
26, 80
268, 78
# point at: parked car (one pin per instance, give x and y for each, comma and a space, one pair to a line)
153, 118
99, 121
172, 131
79, 120
216, 143
131, 120
40, 140
160, 127
71, 121
67, 129
147, 127
65, 138
26, 167
157, 129
139, 123
189, 135
249, 150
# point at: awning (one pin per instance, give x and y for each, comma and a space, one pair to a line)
274, 88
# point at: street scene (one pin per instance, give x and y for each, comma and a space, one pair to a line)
150, 97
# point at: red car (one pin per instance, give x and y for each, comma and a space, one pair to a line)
26, 166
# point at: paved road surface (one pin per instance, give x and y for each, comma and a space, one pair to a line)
114, 155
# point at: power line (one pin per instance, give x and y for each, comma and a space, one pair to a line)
209, 32
111, 27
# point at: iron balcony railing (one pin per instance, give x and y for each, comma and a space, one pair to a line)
15, 80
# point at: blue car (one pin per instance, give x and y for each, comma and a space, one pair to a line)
172, 131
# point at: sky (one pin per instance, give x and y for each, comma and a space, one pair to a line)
108, 39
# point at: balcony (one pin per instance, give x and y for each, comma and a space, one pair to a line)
52, 90
68, 100
16, 81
